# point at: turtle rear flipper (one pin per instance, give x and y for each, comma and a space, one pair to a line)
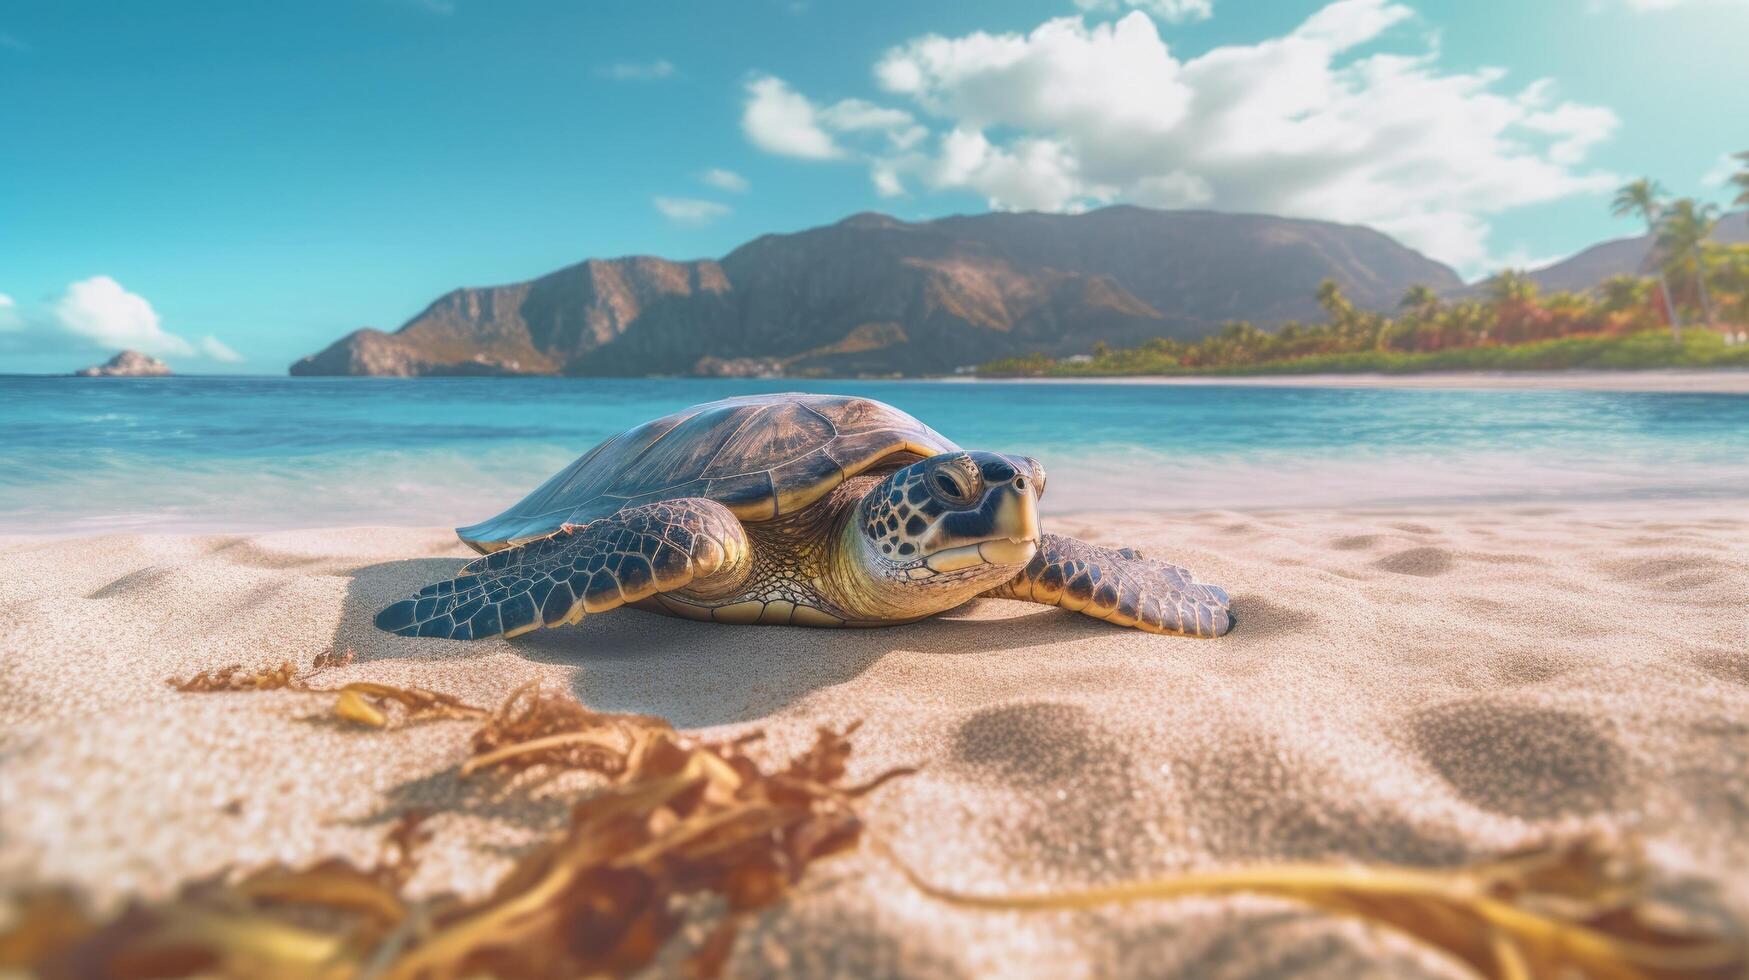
578, 571
1121, 587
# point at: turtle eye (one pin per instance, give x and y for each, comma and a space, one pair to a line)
948, 482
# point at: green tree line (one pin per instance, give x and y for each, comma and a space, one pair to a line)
1626, 321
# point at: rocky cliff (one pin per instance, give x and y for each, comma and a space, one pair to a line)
127, 364
875, 295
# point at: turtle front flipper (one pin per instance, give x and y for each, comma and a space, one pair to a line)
579, 571
1121, 587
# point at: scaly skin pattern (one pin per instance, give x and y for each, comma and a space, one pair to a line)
873, 552
910, 550
790, 580
1120, 586
848, 560
636, 554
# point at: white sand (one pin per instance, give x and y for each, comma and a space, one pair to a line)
1718, 380
1422, 688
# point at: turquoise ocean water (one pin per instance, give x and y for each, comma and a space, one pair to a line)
87, 456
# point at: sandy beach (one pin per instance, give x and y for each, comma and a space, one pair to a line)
1421, 687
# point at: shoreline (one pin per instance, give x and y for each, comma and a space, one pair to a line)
1724, 381
1608, 508
1733, 381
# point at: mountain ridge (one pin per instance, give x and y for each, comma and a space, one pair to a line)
872, 294
1591, 265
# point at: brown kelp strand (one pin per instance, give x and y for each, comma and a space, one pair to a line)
368, 704
236, 678
362, 702
536, 727
681, 819
1561, 909
286, 676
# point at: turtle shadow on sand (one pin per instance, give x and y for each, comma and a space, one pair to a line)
693, 674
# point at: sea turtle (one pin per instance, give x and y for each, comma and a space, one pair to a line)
792, 509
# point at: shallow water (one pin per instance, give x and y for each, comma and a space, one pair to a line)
89, 455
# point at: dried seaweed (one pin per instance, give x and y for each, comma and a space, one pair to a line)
536, 727
286, 676
277, 921
329, 660
363, 702
1561, 909
682, 818
235, 678
367, 703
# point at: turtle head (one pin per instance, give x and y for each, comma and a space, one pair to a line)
933, 534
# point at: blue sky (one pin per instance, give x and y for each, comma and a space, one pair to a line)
271, 176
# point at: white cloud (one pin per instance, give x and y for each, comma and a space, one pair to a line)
1519, 257
1307, 124
1645, 6
1108, 84
886, 180
779, 120
218, 350
101, 311
857, 116
725, 180
1346, 23
1171, 11
637, 71
1177, 189
690, 210
1720, 173
1033, 174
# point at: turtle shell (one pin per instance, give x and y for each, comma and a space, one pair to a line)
761, 456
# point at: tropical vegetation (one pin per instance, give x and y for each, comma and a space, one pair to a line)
1506, 324
1740, 179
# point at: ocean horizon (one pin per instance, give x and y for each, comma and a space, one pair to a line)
251, 453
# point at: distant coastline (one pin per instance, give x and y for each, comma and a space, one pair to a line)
1718, 380
1032, 293
1731, 381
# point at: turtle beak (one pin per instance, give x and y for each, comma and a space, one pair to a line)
1016, 523
1007, 534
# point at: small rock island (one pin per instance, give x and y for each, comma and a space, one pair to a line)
127, 364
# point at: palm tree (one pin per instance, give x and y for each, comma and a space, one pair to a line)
1622, 294
1741, 178
1511, 286
1347, 324
1244, 338
1682, 230
1420, 305
1468, 323
1420, 300
1334, 303
1512, 298
1645, 198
